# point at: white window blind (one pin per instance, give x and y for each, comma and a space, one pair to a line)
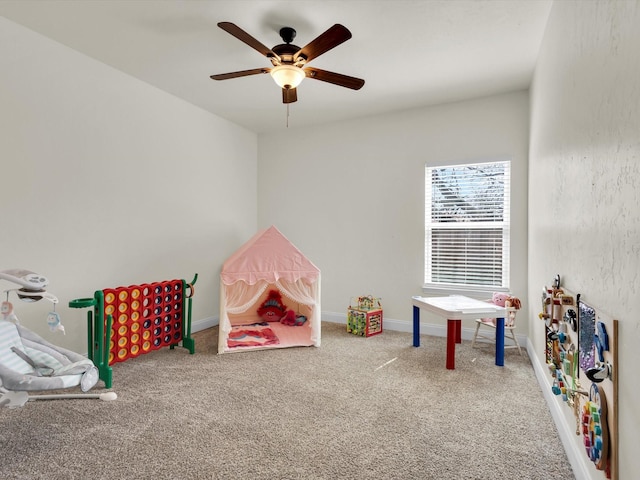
467, 224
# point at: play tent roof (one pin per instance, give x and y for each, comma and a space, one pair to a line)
268, 256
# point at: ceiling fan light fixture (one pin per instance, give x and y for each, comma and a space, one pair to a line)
287, 76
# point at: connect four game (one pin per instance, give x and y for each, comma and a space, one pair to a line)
126, 322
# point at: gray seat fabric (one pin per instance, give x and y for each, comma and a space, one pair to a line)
30, 363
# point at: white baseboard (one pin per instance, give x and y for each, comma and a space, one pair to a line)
567, 433
204, 323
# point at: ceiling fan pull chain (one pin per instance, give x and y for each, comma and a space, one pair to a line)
287, 115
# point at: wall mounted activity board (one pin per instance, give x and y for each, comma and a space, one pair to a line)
126, 322
581, 344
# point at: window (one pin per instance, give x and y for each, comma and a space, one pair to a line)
467, 226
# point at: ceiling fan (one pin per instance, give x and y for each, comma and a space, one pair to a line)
289, 61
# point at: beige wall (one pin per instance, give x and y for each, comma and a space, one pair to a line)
107, 181
351, 195
584, 187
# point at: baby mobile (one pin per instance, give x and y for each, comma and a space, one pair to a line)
32, 290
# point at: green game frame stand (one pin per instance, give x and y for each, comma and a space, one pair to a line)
187, 341
99, 331
98, 342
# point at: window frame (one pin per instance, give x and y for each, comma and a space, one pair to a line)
474, 290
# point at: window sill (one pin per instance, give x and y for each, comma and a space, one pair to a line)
479, 293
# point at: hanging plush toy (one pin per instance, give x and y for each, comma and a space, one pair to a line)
53, 320
6, 312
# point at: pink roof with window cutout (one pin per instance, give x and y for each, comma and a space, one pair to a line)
269, 256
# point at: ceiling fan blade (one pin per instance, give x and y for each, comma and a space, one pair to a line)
289, 95
335, 78
243, 36
243, 73
333, 37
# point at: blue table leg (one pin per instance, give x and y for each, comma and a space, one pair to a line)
416, 326
500, 342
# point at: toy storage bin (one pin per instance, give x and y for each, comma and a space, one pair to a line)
364, 317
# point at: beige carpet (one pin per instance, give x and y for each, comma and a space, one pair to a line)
353, 408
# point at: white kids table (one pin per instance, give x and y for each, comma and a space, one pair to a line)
456, 308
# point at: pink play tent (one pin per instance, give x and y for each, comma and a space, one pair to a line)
267, 262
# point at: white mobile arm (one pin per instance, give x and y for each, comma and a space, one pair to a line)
32, 285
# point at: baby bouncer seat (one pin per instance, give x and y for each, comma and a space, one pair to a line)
29, 363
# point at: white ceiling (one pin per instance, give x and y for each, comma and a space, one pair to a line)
410, 53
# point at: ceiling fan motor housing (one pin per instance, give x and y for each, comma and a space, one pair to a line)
287, 34
286, 51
